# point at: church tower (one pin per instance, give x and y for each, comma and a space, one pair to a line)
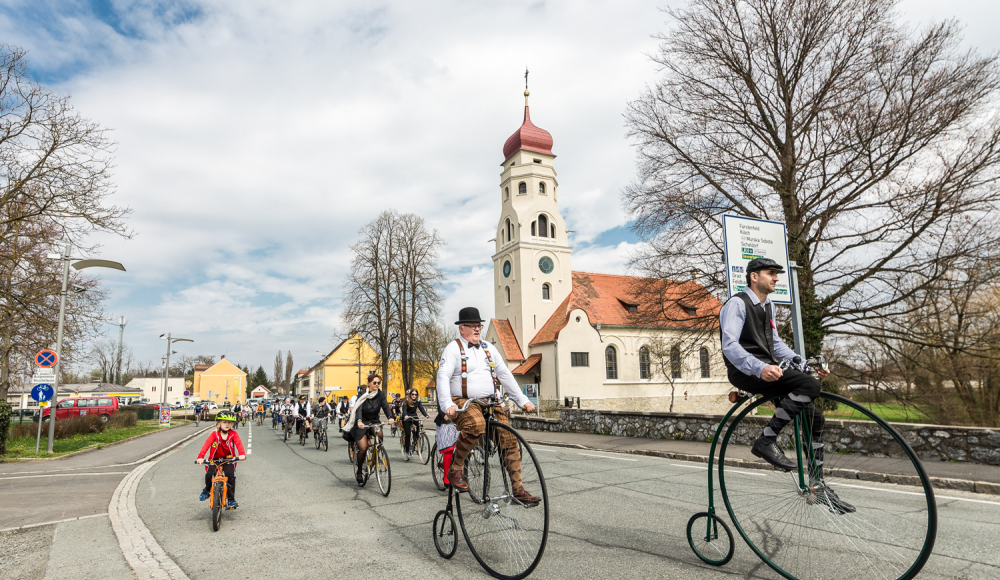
531, 265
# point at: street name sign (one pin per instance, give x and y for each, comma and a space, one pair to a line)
44, 376
42, 393
46, 359
747, 238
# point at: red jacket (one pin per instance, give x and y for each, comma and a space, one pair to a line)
216, 448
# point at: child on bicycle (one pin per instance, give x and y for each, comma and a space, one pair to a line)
222, 443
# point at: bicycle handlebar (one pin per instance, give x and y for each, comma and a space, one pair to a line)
220, 461
491, 401
796, 363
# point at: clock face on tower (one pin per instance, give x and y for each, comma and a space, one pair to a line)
545, 264
506, 269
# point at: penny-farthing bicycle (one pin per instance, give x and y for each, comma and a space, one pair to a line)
841, 514
506, 537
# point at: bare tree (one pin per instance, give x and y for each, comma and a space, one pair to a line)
278, 377
877, 147
430, 341
416, 281
289, 370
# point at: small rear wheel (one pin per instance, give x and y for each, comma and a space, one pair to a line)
444, 534
708, 544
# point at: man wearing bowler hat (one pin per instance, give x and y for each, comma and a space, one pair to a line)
472, 368
752, 351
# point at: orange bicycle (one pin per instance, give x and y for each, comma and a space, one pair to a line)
218, 491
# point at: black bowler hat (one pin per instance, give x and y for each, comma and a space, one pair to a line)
468, 314
758, 264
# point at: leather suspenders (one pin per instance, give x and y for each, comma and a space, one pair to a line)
465, 368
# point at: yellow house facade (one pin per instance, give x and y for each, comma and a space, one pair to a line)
339, 373
221, 383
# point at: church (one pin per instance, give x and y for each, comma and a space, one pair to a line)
580, 334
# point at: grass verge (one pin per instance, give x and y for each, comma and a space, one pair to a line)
891, 413
24, 447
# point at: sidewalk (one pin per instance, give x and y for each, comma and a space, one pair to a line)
972, 477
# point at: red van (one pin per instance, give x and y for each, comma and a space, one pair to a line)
76, 406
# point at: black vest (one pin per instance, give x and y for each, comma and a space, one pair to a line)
757, 337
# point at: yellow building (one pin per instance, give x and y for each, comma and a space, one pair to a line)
337, 374
220, 383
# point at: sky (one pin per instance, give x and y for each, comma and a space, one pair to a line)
255, 138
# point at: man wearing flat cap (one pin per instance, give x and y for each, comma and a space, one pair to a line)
472, 368
752, 351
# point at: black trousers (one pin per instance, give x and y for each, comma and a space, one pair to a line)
409, 430
229, 470
797, 391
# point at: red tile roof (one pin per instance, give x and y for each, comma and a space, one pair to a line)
524, 367
606, 299
529, 137
508, 342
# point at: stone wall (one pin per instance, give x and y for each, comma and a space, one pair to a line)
930, 442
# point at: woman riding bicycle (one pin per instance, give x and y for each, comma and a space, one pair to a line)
409, 410
366, 411
321, 415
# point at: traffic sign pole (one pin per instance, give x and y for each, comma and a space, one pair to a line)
59, 339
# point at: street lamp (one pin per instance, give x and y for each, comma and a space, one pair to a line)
78, 265
166, 371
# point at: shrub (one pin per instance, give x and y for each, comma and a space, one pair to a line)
77, 426
23, 430
123, 419
5, 412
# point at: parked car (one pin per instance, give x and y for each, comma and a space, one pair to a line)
209, 405
76, 406
22, 413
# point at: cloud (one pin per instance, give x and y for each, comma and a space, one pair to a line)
256, 138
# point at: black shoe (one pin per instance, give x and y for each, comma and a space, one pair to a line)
823, 495
771, 453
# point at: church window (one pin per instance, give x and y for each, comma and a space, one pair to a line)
533, 229
546, 290
675, 362
705, 370
522, 188
546, 265
543, 226
506, 269
579, 359
611, 362
508, 294
510, 230
537, 160
552, 228
506, 192
643, 363
541, 188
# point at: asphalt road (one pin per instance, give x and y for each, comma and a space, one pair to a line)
613, 516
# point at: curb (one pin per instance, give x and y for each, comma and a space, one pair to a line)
87, 450
983, 487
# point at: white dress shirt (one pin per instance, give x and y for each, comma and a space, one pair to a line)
731, 319
479, 380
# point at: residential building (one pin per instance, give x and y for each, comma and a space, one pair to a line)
222, 383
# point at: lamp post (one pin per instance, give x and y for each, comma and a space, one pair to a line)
79, 265
166, 371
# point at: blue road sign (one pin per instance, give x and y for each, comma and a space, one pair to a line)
46, 359
42, 393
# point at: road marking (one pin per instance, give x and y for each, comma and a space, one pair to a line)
608, 457
25, 527
549, 450
917, 493
66, 474
703, 467
143, 553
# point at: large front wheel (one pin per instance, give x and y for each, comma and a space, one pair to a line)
843, 512
505, 535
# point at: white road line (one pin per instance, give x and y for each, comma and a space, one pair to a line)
703, 467
535, 448
143, 553
28, 526
66, 474
917, 493
608, 457
689, 466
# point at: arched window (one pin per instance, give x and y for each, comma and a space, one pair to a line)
533, 229
506, 192
552, 227
643, 363
543, 226
508, 294
703, 357
546, 290
522, 188
510, 231
541, 188
675, 362
611, 362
